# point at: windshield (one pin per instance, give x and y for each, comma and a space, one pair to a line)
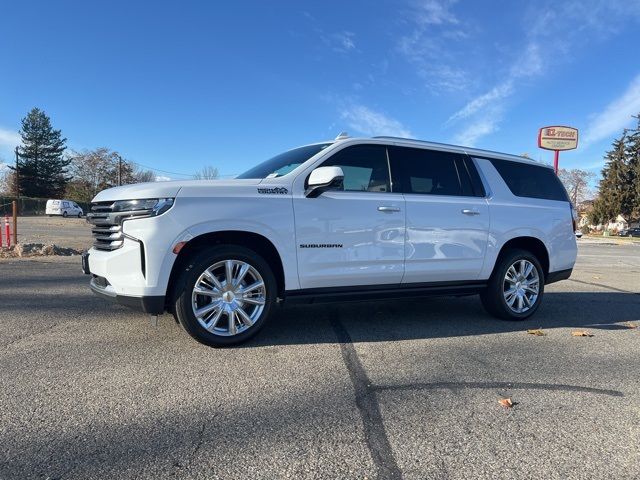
284, 163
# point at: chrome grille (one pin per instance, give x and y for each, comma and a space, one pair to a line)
107, 229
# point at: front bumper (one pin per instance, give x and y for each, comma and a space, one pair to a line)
147, 304
153, 304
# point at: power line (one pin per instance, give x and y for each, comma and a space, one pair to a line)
162, 171
190, 175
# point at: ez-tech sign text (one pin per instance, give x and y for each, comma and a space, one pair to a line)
554, 133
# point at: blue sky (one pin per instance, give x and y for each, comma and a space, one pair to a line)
181, 85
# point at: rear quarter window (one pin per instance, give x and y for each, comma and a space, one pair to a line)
530, 181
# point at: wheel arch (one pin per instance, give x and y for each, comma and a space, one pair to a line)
530, 244
253, 241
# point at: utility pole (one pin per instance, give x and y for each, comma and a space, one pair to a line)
119, 170
17, 179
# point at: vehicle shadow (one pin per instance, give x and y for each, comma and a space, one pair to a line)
438, 317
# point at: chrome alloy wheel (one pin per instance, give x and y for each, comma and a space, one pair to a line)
228, 298
521, 286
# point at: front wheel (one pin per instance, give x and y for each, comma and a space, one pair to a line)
79, 214
516, 287
225, 295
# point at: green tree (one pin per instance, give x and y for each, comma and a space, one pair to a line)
42, 166
633, 163
613, 198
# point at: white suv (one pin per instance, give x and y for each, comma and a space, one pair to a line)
353, 218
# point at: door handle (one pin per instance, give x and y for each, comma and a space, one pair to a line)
468, 211
384, 208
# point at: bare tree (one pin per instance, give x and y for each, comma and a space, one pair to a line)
7, 182
576, 182
142, 176
92, 171
207, 173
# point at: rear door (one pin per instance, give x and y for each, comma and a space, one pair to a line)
447, 216
354, 236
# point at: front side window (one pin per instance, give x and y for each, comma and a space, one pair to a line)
365, 168
284, 163
429, 172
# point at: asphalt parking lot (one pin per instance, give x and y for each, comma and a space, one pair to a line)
394, 389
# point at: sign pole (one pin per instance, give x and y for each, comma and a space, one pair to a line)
556, 157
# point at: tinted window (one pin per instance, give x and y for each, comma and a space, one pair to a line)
431, 172
284, 163
532, 181
365, 168
474, 176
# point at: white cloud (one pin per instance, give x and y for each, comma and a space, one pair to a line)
342, 42
566, 26
364, 120
434, 12
478, 129
616, 116
9, 139
480, 103
162, 178
528, 64
430, 45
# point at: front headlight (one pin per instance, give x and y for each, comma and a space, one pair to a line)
147, 207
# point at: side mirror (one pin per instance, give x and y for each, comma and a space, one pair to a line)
323, 179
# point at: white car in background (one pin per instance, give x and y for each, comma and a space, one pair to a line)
66, 208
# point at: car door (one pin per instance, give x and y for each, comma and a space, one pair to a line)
447, 216
353, 236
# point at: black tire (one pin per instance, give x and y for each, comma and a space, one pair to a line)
64, 214
492, 297
191, 271
79, 215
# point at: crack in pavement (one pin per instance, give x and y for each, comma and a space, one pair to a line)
603, 286
367, 403
499, 386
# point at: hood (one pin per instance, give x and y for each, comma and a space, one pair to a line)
164, 189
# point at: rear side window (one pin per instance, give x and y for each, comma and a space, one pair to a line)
531, 181
365, 168
429, 172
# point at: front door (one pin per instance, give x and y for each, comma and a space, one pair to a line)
354, 236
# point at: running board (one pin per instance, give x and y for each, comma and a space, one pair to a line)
376, 292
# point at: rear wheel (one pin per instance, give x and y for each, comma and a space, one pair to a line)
64, 214
516, 287
225, 295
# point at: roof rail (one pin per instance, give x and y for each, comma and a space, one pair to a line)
470, 149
